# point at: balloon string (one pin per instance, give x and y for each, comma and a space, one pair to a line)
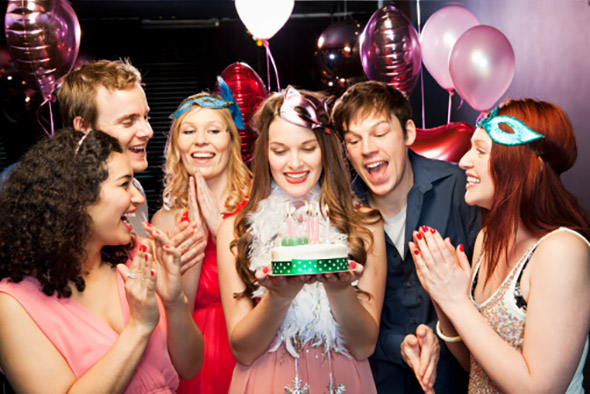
421, 71
450, 105
267, 65
269, 56
46, 101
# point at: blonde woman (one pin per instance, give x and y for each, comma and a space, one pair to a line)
205, 181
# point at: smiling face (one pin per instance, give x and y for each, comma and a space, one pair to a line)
378, 151
203, 143
294, 157
476, 163
123, 114
118, 198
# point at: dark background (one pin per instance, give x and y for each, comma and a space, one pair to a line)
180, 47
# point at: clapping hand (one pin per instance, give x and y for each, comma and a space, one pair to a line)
421, 352
444, 271
140, 288
203, 201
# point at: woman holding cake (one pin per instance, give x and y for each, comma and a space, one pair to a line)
519, 323
312, 332
205, 181
77, 313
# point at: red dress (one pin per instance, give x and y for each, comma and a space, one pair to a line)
218, 363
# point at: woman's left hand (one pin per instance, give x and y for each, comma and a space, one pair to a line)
443, 270
341, 280
167, 262
208, 205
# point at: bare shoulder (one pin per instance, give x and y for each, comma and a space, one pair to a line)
563, 255
166, 219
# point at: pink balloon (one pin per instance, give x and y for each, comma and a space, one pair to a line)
439, 35
390, 50
43, 37
482, 66
447, 142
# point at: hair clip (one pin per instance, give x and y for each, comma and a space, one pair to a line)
305, 110
522, 133
201, 101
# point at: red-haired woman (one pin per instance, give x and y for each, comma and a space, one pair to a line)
520, 320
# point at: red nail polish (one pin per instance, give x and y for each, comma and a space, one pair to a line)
352, 265
432, 230
416, 252
153, 272
147, 224
147, 257
424, 229
142, 248
265, 270
419, 236
461, 248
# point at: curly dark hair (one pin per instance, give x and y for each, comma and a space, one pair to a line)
43, 208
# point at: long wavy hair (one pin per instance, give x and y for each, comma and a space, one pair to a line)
176, 176
335, 192
43, 205
531, 190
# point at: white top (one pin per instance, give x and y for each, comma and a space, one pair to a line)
395, 228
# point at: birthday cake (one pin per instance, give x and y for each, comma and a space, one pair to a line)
296, 257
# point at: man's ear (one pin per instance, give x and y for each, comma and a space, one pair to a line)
81, 125
410, 132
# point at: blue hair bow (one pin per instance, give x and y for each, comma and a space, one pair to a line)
522, 133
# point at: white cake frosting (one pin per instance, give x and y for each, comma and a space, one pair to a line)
309, 252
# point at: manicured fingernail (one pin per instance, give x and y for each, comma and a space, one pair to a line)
153, 272
147, 257
266, 270
461, 248
418, 236
424, 229
167, 247
352, 265
147, 224
142, 248
432, 230
185, 251
416, 252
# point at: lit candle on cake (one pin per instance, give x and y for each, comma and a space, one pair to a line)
316, 222
289, 228
307, 222
327, 212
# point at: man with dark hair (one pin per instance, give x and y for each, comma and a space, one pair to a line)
410, 191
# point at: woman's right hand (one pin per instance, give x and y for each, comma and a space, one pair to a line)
140, 289
286, 287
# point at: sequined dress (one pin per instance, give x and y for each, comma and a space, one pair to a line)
308, 354
505, 311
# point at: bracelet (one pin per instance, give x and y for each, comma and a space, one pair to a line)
443, 336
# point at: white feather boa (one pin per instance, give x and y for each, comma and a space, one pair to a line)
309, 318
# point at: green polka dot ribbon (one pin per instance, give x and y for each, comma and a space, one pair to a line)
309, 267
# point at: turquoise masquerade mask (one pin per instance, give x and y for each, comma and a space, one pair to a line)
522, 133
226, 101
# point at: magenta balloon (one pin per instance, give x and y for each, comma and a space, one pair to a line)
482, 66
43, 37
390, 50
439, 35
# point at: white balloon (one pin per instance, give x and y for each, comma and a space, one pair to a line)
264, 18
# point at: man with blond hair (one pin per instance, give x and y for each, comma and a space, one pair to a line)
108, 95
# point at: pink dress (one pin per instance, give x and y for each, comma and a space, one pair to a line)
218, 363
83, 339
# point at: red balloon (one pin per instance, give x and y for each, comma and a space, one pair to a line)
248, 91
447, 142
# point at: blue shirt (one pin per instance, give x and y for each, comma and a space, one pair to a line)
436, 200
